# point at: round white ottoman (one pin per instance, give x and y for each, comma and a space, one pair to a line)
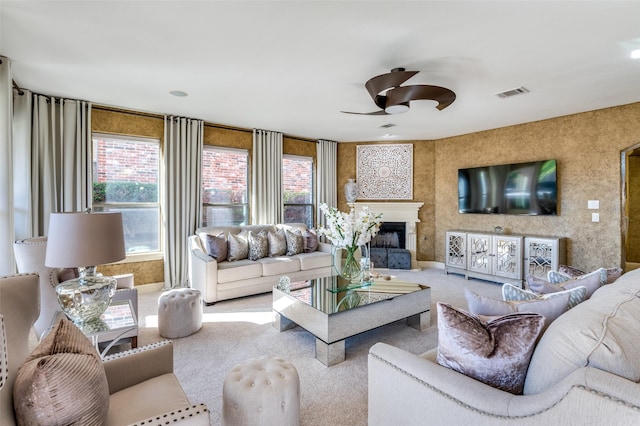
179, 313
262, 391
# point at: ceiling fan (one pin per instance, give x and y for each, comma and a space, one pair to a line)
387, 93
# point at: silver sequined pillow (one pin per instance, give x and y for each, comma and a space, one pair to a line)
277, 243
258, 245
238, 247
295, 242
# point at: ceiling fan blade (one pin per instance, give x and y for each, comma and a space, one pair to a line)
392, 79
442, 95
381, 112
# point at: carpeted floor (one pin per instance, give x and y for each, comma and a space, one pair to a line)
236, 330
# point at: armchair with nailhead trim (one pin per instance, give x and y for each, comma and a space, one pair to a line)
142, 387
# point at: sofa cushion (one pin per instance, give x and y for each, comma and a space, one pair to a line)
550, 308
238, 247
591, 282
576, 295
317, 259
217, 246
238, 270
62, 382
495, 351
295, 242
274, 266
258, 245
601, 332
310, 240
277, 243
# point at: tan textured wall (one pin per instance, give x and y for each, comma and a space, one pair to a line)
587, 147
423, 188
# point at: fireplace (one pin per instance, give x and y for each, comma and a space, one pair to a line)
393, 213
391, 235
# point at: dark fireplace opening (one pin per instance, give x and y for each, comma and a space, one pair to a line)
391, 235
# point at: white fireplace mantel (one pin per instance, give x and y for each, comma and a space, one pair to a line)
397, 212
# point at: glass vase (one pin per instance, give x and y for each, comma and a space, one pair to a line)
346, 262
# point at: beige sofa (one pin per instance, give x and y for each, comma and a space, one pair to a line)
230, 279
142, 387
584, 370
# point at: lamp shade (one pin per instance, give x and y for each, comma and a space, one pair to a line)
84, 239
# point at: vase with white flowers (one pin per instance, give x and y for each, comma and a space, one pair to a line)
350, 231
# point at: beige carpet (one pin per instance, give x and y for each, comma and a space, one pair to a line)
236, 330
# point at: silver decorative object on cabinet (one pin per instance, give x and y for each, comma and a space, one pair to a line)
351, 191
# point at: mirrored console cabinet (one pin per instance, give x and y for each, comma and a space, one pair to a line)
502, 258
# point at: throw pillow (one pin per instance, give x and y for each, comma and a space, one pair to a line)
495, 351
295, 242
62, 382
550, 308
577, 295
570, 271
217, 246
555, 277
258, 245
277, 243
612, 273
310, 240
67, 274
238, 247
592, 281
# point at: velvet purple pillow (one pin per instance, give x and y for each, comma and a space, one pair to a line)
310, 240
493, 350
591, 281
217, 247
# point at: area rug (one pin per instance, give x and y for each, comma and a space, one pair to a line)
236, 330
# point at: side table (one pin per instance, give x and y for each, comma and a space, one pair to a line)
116, 323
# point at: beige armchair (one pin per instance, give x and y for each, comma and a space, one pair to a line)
142, 386
30, 256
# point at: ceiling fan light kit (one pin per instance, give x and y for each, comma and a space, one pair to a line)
392, 98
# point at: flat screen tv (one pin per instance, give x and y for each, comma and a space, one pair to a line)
520, 189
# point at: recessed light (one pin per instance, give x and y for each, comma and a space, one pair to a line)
388, 136
635, 54
178, 93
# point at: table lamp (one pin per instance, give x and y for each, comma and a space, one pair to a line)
83, 241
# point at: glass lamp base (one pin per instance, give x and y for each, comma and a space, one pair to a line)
84, 299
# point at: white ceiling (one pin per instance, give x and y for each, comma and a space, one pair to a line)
293, 66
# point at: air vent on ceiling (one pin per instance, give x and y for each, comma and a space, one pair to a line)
513, 92
386, 126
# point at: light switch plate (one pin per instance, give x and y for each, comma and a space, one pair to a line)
593, 204
595, 217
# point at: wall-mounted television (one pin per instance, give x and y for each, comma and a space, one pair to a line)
520, 189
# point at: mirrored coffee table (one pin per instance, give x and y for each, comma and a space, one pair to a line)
332, 309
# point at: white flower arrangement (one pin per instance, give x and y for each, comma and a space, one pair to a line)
348, 230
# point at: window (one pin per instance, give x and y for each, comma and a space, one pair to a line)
225, 186
297, 189
126, 174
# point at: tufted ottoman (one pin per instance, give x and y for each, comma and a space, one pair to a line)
262, 391
179, 312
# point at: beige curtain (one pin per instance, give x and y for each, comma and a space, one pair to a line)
183, 139
266, 191
61, 179
7, 266
326, 188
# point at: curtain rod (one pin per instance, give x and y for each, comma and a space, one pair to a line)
15, 86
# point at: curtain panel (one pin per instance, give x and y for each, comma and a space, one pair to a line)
61, 172
327, 157
183, 139
266, 191
6, 169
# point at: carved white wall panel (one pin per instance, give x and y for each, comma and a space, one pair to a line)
385, 172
